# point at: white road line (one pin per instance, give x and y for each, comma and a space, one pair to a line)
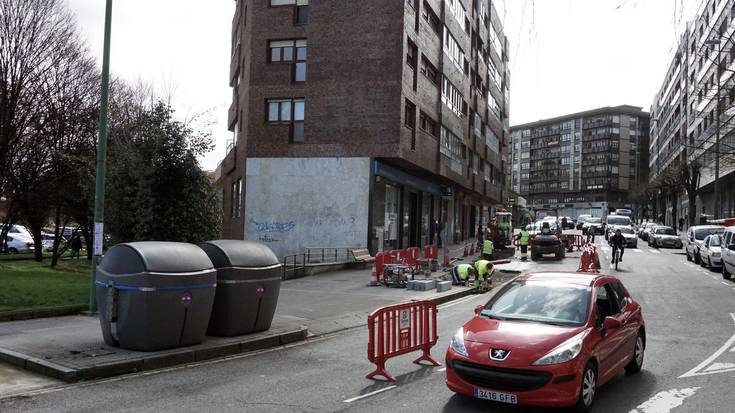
442, 369
663, 402
460, 301
637, 250
727, 284
696, 371
372, 393
655, 251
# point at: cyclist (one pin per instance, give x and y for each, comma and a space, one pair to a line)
617, 241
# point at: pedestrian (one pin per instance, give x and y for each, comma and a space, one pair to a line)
523, 238
681, 223
461, 273
484, 270
439, 233
76, 246
487, 249
480, 236
563, 223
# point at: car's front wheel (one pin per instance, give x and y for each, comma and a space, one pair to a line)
589, 388
12, 250
689, 257
725, 274
636, 363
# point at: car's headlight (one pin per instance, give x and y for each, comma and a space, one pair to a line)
457, 343
566, 351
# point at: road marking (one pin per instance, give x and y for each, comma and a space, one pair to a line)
725, 283
655, 251
442, 369
455, 302
637, 250
700, 369
372, 393
663, 402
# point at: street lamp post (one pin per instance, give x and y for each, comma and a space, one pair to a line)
99, 194
717, 138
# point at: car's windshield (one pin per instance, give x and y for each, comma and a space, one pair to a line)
665, 231
541, 301
715, 241
625, 230
701, 233
593, 220
618, 221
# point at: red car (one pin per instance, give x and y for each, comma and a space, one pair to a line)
548, 339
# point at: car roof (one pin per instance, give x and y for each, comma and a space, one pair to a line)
706, 227
575, 278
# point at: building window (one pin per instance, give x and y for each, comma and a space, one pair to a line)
290, 51
411, 55
431, 18
457, 9
452, 49
428, 124
288, 111
452, 97
410, 114
236, 199
429, 71
301, 16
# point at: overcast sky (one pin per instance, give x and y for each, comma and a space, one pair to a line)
565, 55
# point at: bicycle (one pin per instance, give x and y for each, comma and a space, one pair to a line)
616, 257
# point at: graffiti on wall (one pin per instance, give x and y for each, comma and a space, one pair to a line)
269, 227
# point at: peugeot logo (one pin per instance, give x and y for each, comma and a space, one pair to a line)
499, 354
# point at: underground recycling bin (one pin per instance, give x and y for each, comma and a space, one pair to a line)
248, 283
155, 295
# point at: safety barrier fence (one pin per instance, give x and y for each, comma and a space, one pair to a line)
400, 329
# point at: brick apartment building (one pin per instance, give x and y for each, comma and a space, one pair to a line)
684, 129
364, 123
582, 161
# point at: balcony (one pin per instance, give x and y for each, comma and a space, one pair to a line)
232, 116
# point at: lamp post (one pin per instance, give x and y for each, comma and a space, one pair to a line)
99, 193
717, 42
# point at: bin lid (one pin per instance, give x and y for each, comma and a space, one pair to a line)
155, 256
239, 253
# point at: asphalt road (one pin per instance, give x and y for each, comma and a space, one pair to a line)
689, 365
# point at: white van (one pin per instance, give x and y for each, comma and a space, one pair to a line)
728, 253
613, 221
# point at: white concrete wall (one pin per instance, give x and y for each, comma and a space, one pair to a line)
294, 203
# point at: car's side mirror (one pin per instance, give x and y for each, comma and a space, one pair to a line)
611, 323
479, 309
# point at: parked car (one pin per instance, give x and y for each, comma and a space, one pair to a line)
631, 240
48, 241
548, 339
582, 219
624, 211
615, 221
662, 237
728, 253
710, 252
19, 244
19, 230
592, 226
648, 229
695, 238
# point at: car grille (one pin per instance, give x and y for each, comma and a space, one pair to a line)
500, 378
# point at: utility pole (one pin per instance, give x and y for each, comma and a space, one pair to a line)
99, 195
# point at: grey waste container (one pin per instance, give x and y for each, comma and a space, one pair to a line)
155, 295
248, 283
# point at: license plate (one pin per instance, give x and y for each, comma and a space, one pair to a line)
496, 397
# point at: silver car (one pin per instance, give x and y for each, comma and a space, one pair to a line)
630, 239
695, 239
664, 237
711, 251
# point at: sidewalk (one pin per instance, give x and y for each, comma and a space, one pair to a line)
72, 348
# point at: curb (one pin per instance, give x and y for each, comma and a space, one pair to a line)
175, 357
43, 312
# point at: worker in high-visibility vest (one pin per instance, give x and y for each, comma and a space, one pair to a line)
505, 230
461, 273
487, 249
484, 270
523, 238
